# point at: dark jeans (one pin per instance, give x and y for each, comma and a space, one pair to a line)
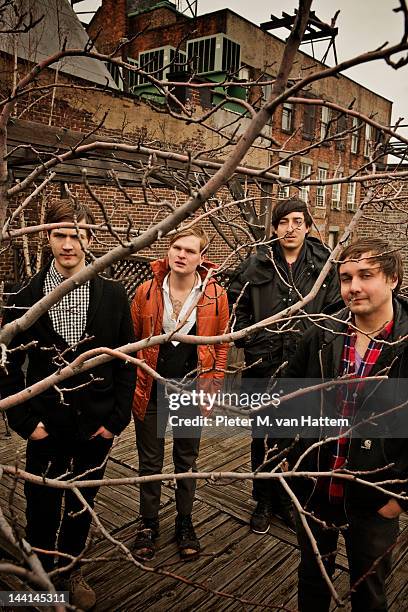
54, 457
367, 538
262, 490
150, 448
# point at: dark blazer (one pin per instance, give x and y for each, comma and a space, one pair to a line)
106, 392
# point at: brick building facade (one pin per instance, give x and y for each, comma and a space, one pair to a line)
228, 42
56, 121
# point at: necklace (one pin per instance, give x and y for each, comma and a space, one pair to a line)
177, 304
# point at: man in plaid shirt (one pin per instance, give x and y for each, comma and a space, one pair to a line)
366, 338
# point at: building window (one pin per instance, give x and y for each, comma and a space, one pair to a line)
368, 140
284, 171
267, 89
287, 117
324, 123
341, 127
321, 189
354, 136
333, 238
336, 194
309, 121
304, 190
351, 196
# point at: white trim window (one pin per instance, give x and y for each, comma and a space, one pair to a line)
351, 196
333, 238
368, 139
321, 189
336, 194
287, 117
324, 122
354, 136
284, 171
304, 190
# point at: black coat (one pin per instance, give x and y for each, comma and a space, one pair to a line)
106, 401
318, 357
268, 292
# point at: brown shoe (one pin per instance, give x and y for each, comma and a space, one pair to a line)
82, 596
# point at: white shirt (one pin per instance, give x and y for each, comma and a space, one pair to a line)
169, 324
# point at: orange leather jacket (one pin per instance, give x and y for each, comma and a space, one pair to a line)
212, 320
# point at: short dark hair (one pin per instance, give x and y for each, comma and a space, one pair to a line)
196, 231
285, 207
64, 210
389, 260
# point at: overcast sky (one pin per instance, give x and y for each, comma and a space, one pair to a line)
363, 25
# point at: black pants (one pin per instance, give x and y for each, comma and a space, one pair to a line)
54, 457
367, 538
150, 449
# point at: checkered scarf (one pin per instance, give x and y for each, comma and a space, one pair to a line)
68, 316
348, 396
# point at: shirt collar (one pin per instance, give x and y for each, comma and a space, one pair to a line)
197, 285
54, 275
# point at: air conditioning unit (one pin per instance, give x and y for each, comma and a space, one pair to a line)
160, 61
214, 54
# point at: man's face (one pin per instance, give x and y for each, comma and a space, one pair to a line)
292, 231
364, 287
184, 255
66, 248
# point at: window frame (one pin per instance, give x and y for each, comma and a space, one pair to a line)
355, 137
284, 190
336, 203
304, 190
321, 189
351, 196
290, 113
324, 122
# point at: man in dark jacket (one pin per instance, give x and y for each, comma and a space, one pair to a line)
266, 283
365, 339
68, 431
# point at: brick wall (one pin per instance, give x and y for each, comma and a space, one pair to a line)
113, 14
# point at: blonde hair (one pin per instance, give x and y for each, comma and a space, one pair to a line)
196, 231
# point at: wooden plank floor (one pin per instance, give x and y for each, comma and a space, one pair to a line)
260, 569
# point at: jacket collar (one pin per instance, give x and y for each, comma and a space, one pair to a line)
261, 269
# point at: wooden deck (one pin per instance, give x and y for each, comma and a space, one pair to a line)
260, 569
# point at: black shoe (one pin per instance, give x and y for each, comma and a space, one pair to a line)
285, 514
261, 518
187, 541
144, 547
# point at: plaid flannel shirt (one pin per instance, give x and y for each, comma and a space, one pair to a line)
348, 397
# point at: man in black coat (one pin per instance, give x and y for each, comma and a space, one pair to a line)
367, 338
266, 283
68, 431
